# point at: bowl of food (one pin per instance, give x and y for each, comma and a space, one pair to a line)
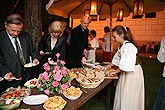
54, 103
72, 93
9, 104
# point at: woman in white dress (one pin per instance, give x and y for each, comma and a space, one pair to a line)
94, 44
106, 45
129, 93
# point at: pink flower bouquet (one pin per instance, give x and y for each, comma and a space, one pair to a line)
55, 78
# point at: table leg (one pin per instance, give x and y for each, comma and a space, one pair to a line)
109, 96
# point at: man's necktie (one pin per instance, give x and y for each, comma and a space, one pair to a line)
19, 53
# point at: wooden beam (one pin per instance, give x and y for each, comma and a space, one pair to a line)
127, 5
77, 7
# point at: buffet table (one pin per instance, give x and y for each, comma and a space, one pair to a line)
75, 104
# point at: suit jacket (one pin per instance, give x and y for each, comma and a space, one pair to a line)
78, 42
9, 61
60, 47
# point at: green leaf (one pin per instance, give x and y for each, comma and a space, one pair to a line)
42, 87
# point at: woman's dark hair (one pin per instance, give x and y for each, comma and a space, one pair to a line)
106, 29
127, 33
93, 32
127, 36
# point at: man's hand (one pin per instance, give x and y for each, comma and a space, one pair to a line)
42, 53
8, 76
36, 61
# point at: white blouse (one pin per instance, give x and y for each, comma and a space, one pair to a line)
125, 57
94, 43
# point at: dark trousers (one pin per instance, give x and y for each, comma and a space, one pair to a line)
160, 100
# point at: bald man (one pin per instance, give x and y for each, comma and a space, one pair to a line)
78, 44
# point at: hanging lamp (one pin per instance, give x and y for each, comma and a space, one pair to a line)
120, 14
138, 9
93, 7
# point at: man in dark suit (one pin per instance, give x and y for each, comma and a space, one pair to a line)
78, 44
15, 43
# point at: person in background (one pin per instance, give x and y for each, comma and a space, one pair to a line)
129, 93
160, 100
78, 45
67, 33
152, 47
94, 44
52, 43
16, 48
148, 45
106, 45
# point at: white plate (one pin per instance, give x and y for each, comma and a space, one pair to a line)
106, 63
88, 61
91, 65
12, 78
35, 99
29, 65
97, 63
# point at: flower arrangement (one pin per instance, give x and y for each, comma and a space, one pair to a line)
55, 78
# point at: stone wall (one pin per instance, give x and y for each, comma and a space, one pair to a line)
144, 29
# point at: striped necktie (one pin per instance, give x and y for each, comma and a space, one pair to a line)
19, 53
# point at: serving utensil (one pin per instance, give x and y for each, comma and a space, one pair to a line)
14, 78
1, 79
84, 91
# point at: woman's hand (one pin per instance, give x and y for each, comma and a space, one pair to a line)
8, 76
85, 52
109, 66
83, 60
112, 74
